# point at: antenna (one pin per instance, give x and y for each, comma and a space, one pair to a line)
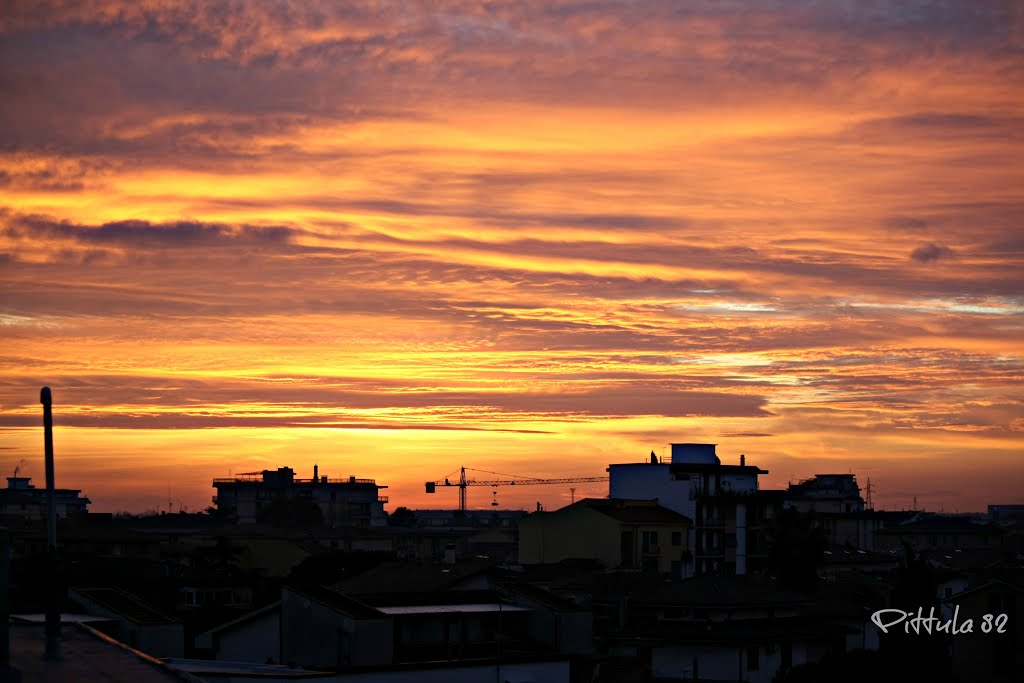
870, 505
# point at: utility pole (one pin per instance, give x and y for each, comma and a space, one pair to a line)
52, 596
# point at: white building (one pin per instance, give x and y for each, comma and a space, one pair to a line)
22, 499
722, 500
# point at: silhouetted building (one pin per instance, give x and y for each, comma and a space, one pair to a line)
618, 533
927, 531
458, 635
826, 493
135, 623
723, 502
260, 496
22, 499
997, 656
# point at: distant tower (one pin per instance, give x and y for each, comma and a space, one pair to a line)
572, 491
870, 506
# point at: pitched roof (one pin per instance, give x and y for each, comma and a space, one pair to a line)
635, 511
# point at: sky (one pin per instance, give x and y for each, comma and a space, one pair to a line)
533, 238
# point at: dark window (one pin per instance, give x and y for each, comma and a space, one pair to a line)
677, 538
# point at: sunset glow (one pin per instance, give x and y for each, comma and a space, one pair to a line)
392, 239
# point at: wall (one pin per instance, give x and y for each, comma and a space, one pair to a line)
646, 481
253, 641
572, 532
312, 634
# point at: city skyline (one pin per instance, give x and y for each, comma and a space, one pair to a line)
533, 238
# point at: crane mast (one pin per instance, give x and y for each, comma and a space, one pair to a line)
463, 482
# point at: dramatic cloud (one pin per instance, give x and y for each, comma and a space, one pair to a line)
396, 237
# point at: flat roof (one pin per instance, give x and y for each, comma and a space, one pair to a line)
479, 607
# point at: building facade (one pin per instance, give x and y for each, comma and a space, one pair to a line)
629, 534
258, 496
828, 493
22, 499
723, 502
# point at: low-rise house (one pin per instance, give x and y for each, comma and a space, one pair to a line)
137, 623
724, 628
638, 534
253, 637
446, 636
995, 655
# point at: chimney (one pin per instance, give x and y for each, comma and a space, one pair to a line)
316, 473
743, 460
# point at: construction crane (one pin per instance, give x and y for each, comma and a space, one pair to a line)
463, 482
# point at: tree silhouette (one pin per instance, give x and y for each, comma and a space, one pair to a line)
797, 551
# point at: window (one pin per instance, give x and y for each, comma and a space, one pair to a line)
649, 541
677, 538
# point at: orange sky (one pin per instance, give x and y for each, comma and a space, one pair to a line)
527, 237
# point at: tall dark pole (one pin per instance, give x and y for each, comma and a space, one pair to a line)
52, 606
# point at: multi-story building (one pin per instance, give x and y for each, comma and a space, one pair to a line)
22, 499
252, 497
829, 493
723, 502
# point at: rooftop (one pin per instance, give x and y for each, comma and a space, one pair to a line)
124, 604
86, 655
635, 511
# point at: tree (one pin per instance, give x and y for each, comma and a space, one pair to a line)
797, 551
402, 516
